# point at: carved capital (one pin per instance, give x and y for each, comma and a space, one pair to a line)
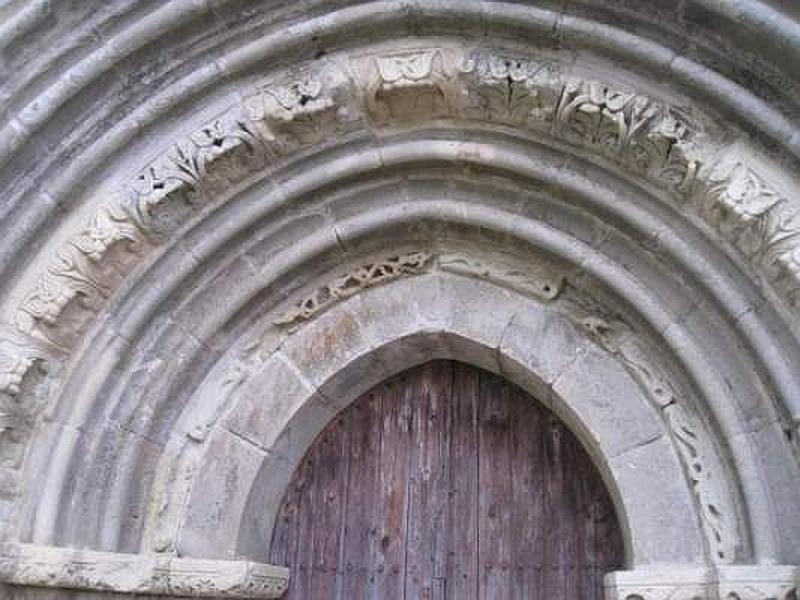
665, 583
88, 570
769, 582
740, 582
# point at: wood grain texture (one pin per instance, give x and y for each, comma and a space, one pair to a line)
446, 482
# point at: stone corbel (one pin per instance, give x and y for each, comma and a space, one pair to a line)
740, 582
31, 565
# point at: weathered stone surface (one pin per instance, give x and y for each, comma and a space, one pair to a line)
223, 221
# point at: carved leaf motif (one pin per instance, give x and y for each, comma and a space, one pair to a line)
710, 500
17, 358
165, 193
511, 89
409, 84
106, 229
68, 278
642, 134
759, 222
301, 112
406, 68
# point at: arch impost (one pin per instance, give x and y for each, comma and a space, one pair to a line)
689, 582
32, 565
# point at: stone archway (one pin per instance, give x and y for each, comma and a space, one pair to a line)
223, 221
446, 482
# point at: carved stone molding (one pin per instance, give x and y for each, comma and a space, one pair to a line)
664, 143
774, 582
83, 272
89, 570
659, 584
655, 139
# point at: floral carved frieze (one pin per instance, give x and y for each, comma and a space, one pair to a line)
539, 282
762, 223
88, 267
82, 272
177, 183
645, 135
511, 89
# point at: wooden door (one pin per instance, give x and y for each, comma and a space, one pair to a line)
446, 482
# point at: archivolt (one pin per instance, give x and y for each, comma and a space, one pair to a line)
547, 178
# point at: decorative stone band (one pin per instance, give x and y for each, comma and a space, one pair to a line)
88, 570
750, 582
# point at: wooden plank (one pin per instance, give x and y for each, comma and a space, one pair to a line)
494, 476
392, 503
461, 574
302, 565
429, 479
283, 548
362, 514
553, 486
526, 502
331, 483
